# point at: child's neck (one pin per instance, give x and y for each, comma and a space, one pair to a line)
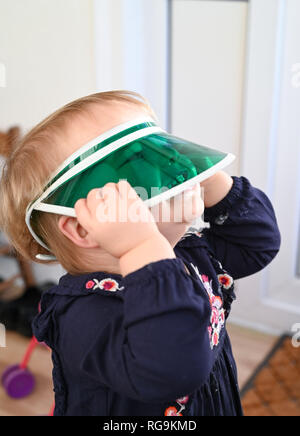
96, 259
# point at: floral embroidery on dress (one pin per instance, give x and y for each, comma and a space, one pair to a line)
90, 284
217, 318
227, 285
225, 280
105, 284
172, 411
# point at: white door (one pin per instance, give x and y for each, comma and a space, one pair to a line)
225, 74
236, 87
207, 72
271, 156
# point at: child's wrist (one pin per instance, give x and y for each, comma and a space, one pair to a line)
216, 188
151, 250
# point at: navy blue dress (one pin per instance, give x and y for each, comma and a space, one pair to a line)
154, 343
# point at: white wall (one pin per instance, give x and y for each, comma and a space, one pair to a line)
208, 63
47, 47
270, 299
131, 49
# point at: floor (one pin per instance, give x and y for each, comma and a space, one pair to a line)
41, 399
249, 348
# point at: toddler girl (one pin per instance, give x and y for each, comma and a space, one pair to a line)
137, 325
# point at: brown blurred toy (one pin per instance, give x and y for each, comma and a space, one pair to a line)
8, 140
18, 304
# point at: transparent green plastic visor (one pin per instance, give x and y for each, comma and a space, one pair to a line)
158, 165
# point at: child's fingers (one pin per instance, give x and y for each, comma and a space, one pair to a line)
164, 210
198, 205
82, 212
94, 196
110, 191
126, 190
94, 199
197, 189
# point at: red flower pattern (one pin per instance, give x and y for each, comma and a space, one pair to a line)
109, 285
217, 322
217, 319
172, 411
90, 284
214, 316
225, 280
105, 284
183, 400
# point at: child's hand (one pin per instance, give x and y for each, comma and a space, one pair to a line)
175, 215
183, 208
191, 203
118, 220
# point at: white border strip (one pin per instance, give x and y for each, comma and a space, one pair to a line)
99, 139
197, 179
61, 210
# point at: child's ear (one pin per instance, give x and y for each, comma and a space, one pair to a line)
74, 231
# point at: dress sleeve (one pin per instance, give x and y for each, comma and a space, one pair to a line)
152, 344
243, 231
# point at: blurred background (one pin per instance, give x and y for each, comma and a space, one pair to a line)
225, 74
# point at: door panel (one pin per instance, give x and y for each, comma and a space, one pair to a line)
208, 61
236, 87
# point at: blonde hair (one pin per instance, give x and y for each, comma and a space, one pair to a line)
29, 167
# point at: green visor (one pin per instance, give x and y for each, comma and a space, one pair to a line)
156, 164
